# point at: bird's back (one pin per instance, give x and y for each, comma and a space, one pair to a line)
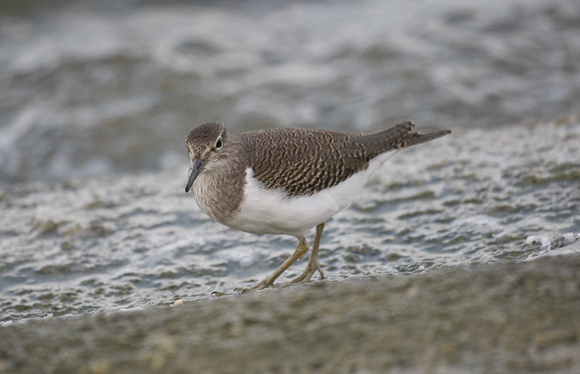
304, 162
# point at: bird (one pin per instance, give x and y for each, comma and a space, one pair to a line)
287, 181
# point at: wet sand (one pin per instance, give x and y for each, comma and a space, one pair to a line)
493, 318
99, 245
95, 104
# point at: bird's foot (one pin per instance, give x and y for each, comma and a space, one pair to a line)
308, 273
304, 277
260, 286
241, 290
268, 282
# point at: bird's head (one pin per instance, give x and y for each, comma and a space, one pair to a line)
206, 144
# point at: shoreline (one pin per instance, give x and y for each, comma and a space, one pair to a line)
503, 317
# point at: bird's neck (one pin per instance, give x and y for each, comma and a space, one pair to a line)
219, 191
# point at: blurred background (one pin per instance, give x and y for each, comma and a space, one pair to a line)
97, 98
97, 88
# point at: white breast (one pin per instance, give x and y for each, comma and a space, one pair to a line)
266, 211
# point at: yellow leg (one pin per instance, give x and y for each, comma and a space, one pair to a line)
300, 251
312, 266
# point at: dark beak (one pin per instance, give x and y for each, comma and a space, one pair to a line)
196, 168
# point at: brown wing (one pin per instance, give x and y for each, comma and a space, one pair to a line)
303, 161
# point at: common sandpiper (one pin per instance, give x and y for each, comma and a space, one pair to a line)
287, 181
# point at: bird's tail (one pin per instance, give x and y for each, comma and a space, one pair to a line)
418, 138
396, 137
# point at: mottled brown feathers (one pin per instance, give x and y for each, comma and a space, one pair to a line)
305, 161
302, 161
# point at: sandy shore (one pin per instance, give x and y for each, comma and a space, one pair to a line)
493, 318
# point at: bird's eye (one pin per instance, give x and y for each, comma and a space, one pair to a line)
218, 144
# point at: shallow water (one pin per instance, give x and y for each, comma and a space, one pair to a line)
96, 103
90, 89
131, 241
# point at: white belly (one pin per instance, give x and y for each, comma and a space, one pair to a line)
265, 211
